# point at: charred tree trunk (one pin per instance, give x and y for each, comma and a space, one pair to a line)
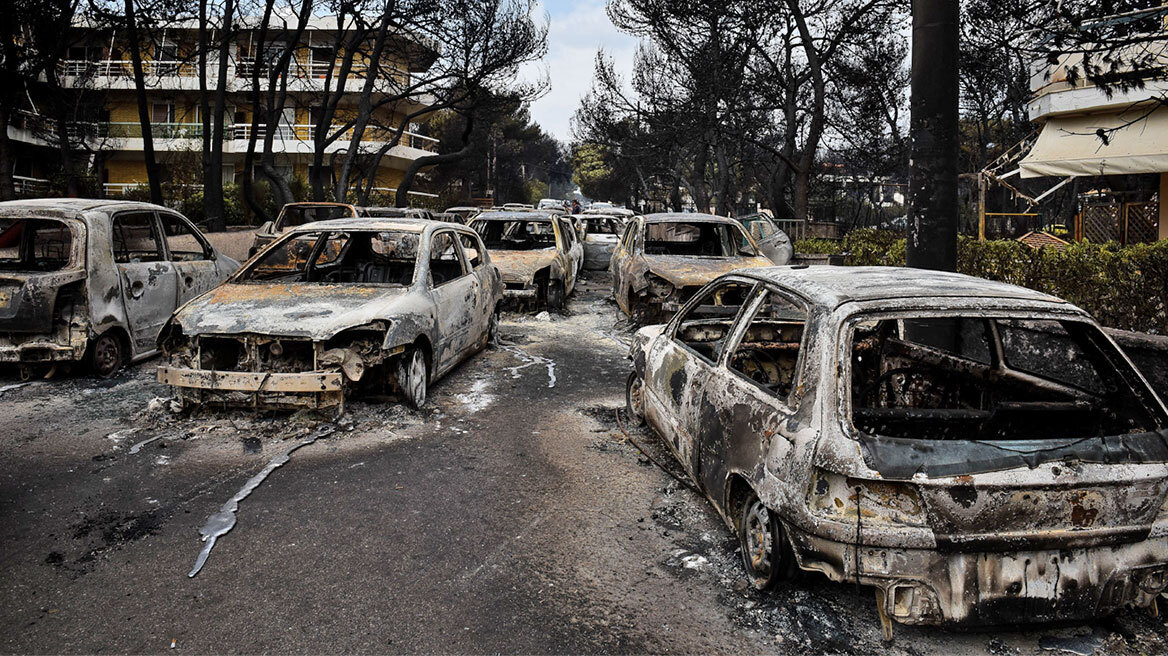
7, 184
153, 177
215, 172
407, 182
933, 207
212, 175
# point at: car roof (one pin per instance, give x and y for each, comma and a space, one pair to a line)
831, 286
400, 224
76, 205
527, 215
686, 217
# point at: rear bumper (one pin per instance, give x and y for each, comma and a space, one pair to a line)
517, 292
927, 586
38, 350
309, 389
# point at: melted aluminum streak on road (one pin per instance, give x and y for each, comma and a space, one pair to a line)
223, 521
529, 360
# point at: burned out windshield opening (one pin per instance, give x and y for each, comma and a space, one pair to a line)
39, 245
516, 235
293, 215
696, 239
361, 257
976, 378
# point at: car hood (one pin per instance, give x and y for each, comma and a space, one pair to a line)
522, 265
688, 270
293, 310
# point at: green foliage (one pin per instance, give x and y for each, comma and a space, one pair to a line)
536, 189
1121, 286
193, 206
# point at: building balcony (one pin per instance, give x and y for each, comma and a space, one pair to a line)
1054, 94
184, 74
287, 138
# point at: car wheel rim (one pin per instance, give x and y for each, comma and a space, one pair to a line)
418, 378
106, 355
760, 541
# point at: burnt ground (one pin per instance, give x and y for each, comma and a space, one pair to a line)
507, 516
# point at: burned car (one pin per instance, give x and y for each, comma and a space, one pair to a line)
93, 281
977, 452
538, 254
601, 234
396, 213
298, 214
336, 307
772, 241
662, 259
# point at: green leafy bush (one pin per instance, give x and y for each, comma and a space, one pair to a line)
1121, 286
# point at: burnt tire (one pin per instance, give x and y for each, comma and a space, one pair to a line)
556, 296
635, 400
413, 377
765, 554
107, 354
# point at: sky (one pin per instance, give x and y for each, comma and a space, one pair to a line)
577, 31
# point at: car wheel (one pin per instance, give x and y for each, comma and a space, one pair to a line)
413, 377
555, 296
106, 355
764, 551
635, 400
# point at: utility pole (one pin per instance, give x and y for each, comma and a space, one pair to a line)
933, 210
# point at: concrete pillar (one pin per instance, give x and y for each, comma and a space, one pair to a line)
1164, 206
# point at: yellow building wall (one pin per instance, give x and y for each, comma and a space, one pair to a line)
125, 171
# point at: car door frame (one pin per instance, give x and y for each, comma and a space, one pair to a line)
158, 280
448, 299
485, 279
672, 408
184, 279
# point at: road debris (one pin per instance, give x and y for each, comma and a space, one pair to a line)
223, 521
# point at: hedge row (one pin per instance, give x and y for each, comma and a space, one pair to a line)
1122, 286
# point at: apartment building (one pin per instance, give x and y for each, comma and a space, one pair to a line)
100, 61
1117, 136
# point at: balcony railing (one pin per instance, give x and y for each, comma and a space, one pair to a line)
302, 132
125, 68
242, 132
26, 186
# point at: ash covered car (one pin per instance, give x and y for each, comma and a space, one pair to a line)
661, 260
772, 241
298, 214
396, 213
601, 234
977, 452
93, 281
333, 308
538, 254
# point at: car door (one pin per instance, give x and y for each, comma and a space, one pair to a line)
191, 255
453, 289
483, 284
620, 256
773, 242
149, 282
756, 390
684, 360
573, 252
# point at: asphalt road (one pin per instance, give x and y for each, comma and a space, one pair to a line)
510, 515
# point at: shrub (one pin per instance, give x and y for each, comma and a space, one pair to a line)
1121, 286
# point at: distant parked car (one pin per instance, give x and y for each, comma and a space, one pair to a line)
977, 452
552, 204
517, 207
297, 214
538, 254
93, 281
464, 212
663, 259
601, 234
376, 304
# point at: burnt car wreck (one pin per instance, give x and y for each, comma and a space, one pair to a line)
974, 451
538, 253
92, 281
336, 307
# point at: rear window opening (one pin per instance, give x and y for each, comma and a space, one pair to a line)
35, 245
517, 235
298, 215
383, 257
697, 239
973, 378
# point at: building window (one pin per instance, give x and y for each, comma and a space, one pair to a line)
162, 113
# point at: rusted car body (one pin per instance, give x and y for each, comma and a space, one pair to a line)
94, 280
662, 259
539, 255
298, 214
977, 452
382, 305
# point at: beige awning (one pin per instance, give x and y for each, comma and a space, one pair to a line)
1070, 146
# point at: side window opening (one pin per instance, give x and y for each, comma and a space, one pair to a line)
134, 238
768, 353
940, 378
445, 260
705, 325
472, 250
181, 241
34, 245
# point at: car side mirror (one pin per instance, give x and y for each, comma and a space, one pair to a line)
267, 227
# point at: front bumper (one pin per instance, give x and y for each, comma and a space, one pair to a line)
312, 389
927, 586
